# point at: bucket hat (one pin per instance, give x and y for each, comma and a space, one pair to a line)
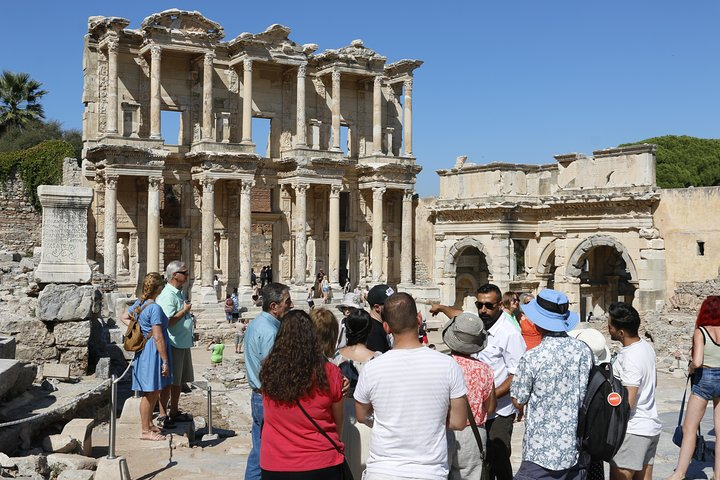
551, 311
465, 333
595, 340
349, 301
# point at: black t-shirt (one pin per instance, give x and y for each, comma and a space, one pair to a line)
377, 339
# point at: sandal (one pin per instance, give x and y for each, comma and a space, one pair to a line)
166, 422
182, 417
152, 436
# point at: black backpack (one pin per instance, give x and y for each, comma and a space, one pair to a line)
602, 424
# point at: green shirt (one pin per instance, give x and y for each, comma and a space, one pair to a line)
217, 353
172, 300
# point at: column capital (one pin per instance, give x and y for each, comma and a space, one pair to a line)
302, 70
208, 184
155, 52
247, 65
408, 84
155, 183
112, 45
336, 76
209, 58
335, 191
408, 195
246, 186
111, 181
378, 192
377, 81
301, 188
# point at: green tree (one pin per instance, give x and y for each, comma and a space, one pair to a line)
19, 101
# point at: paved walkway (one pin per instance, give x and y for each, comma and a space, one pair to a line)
225, 459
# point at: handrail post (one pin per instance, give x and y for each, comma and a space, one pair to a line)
209, 394
113, 417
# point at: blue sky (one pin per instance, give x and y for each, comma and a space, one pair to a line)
510, 81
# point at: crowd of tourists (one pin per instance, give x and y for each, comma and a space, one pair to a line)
363, 397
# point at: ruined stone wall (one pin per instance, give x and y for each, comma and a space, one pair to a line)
20, 223
424, 233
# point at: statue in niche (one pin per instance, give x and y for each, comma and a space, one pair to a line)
122, 258
216, 252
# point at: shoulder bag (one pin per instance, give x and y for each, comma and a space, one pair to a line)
700, 453
345, 472
485, 475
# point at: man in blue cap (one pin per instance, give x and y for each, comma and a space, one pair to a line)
551, 380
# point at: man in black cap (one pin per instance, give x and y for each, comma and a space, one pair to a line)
377, 340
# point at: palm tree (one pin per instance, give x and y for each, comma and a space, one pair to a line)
19, 96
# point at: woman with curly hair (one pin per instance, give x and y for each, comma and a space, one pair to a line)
301, 392
705, 379
151, 371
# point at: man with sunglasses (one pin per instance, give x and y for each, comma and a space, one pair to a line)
180, 330
504, 349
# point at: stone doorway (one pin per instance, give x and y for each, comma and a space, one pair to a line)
471, 271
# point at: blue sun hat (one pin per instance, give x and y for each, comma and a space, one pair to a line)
551, 311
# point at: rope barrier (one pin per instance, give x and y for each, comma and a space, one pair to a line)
218, 391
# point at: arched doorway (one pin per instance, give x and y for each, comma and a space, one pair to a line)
606, 273
546, 268
471, 271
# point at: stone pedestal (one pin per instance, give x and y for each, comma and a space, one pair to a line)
64, 234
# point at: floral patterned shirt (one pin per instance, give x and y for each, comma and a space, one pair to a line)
479, 380
552, 380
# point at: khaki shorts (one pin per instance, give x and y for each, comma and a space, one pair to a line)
635, 452
182, 367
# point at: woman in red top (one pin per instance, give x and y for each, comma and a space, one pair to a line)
297, 374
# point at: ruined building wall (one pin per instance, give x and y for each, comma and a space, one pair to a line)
20, 223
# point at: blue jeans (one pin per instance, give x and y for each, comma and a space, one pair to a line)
252, 470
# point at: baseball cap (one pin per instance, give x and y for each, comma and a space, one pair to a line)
378, 294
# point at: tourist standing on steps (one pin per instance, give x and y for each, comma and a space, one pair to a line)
551, 381
151, 372
259, 340
410, 395
705, 377
635, 367
177, 308
502, 354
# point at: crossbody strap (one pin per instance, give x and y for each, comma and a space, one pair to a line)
319, 429
138, 310
475, 430
682, 404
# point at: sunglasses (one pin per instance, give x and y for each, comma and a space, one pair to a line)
184, 272
487, 305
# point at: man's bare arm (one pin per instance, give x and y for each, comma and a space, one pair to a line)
449, 312
457, 413
504, 388
363, 412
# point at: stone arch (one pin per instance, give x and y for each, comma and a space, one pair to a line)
574, 266
544, 265
457, 249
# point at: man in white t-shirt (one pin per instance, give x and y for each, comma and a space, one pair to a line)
409, 395
635, 367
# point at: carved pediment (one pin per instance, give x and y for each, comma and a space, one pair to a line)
355, 54
183, 22
99, 26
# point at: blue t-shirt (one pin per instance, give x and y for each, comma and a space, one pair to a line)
259, 340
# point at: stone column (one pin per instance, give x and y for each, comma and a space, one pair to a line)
153, 227
334, 236
207, 96
301, 134
110, 230
377, 234
247, 104
335, 111
155, 53
208, 231
406, 244
377, 115
407, 117
301, 236
245, 231
112, 92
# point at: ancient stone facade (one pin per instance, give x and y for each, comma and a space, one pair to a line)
595, 227
19, 221
337, 177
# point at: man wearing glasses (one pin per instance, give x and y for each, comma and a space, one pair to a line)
180, 330
504, 348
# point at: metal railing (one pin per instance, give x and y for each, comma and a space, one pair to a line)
113, 412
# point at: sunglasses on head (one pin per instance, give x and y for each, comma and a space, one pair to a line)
487, 305
184, 272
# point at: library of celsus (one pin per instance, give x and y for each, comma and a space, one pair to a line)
332, 190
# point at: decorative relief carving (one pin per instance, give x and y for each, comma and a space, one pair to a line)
247, 65
336, 76
378, 81
301, 188
335, 191
233, 80
111, 182
142, 63
246, 186
155, 183
302, 70
113, 45
155, 52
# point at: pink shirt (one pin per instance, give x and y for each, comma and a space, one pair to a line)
479, 379
290, 442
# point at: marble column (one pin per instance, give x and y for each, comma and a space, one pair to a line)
377, 233
207, 244
155, 185
301, 134
406, 243
407, 116
110, 227
334, 236
247, 103
335, 111
112, 91
301, 235
155, 54
207, 116
377, 115
245, 232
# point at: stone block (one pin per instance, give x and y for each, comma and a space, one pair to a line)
27, 265
72, 334
56, 370
130, 412
81, 430
115, 469
32, 339
76, 357
76, 475
15, 377
102, 368
69, 461
5, 461
60, 443
7, 347
31, 465
64, 303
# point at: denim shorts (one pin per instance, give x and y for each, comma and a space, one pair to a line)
706, 383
